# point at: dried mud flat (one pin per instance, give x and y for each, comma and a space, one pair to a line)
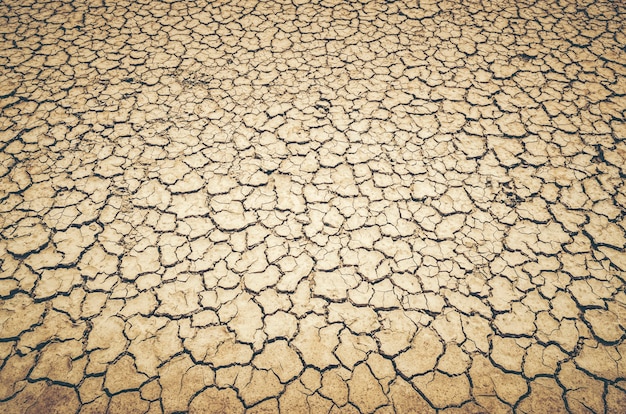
312, 206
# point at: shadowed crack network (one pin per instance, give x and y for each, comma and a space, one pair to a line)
312, 206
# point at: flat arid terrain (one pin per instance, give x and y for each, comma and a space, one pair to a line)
323, 206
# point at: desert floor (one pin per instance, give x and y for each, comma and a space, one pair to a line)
312, 206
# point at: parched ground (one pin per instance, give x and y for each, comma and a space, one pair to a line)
312, 206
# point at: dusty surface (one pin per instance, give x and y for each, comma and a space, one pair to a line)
305, 206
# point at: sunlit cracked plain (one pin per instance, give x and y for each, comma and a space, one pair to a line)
312, 206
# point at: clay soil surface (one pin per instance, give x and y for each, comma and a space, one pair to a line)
312, 206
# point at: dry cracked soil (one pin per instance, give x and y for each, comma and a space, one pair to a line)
312, 206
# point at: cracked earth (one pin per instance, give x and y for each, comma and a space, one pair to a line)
312, 206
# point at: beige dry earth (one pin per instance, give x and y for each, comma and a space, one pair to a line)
312, 206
